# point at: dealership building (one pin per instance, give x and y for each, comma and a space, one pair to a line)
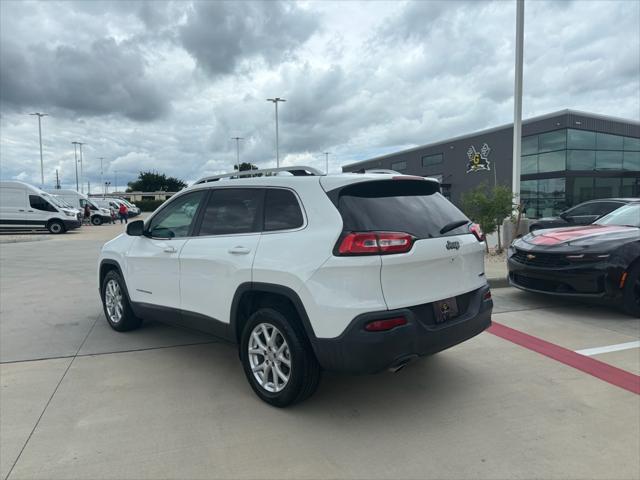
568, 157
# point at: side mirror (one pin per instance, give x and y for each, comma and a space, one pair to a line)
135, 229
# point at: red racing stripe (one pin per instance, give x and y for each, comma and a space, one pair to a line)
604, 371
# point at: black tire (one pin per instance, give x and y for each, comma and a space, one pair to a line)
631, 292
96, 220
304, 373
127, 320
56, 227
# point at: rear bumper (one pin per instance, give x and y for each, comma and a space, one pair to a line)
357, 351
71, 224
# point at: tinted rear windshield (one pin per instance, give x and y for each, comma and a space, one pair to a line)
411, 206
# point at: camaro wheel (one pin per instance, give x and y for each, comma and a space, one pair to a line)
631, 294
277, 358
116, 304
56, 227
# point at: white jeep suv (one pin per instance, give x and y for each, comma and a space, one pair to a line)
355, 273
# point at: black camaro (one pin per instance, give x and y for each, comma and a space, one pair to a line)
600, 260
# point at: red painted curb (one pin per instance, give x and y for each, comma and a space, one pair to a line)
603, 371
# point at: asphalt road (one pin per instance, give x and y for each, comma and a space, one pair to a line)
78, 400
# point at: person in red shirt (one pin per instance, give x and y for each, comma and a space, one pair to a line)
124, 213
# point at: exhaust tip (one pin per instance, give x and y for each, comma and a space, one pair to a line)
401, 364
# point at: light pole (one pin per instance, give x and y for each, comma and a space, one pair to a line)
106, 189
275, 102
326, 158
237, 139
517, 100
115, 186
81, 170
101, 172
40, 115
75, 156
517, 112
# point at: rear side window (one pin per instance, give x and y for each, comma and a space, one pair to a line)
411, 206
232, 211
40, 203
281, 210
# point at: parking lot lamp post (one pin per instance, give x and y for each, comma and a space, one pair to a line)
275, 102
40, 115
326, 159
75, 155
237, 139
517, 100
101, 172
106, 189
81, 169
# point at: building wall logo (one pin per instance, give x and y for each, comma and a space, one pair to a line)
478, 160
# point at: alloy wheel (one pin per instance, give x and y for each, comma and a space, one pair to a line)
269, 357
113, 301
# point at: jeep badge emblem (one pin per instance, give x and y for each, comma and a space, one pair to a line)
455, 245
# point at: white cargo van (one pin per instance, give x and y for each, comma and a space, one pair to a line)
79, 200
25, 207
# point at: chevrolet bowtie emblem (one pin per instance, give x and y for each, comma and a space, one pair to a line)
444, 308
530, 256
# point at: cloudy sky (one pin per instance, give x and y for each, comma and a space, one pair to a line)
165, 85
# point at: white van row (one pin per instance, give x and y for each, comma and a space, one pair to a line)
25, 207
99, 215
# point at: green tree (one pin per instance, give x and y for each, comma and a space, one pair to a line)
488, 206
245, 166
153, 181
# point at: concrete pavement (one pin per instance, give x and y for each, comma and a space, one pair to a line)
78, 400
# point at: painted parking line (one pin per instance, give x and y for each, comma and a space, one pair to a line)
604, 371
609, 348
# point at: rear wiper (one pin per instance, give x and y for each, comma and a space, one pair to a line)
451, 225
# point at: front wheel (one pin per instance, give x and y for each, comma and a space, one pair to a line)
116, 305
277, 358
96, 220
56, 227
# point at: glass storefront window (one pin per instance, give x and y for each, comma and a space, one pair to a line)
581, 160
631, 161
529, 188
552, 161
529, 145
529, 165
430, 160
630, 187
605, 141
608, 160
398, 166
551, 187
550, 141
631, 144
582, 190
581, 139
607, 187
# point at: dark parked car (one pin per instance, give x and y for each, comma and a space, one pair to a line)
582, 214
601, 260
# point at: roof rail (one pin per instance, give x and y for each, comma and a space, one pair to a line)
377, 170
296, 171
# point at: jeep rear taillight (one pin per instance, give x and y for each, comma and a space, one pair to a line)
477, 231
375, 243
385, 325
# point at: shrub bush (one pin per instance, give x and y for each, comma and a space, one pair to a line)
148, 205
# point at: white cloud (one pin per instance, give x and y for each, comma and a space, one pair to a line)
152, 85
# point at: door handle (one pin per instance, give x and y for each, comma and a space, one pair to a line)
239, 250
21, 210
170, 250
